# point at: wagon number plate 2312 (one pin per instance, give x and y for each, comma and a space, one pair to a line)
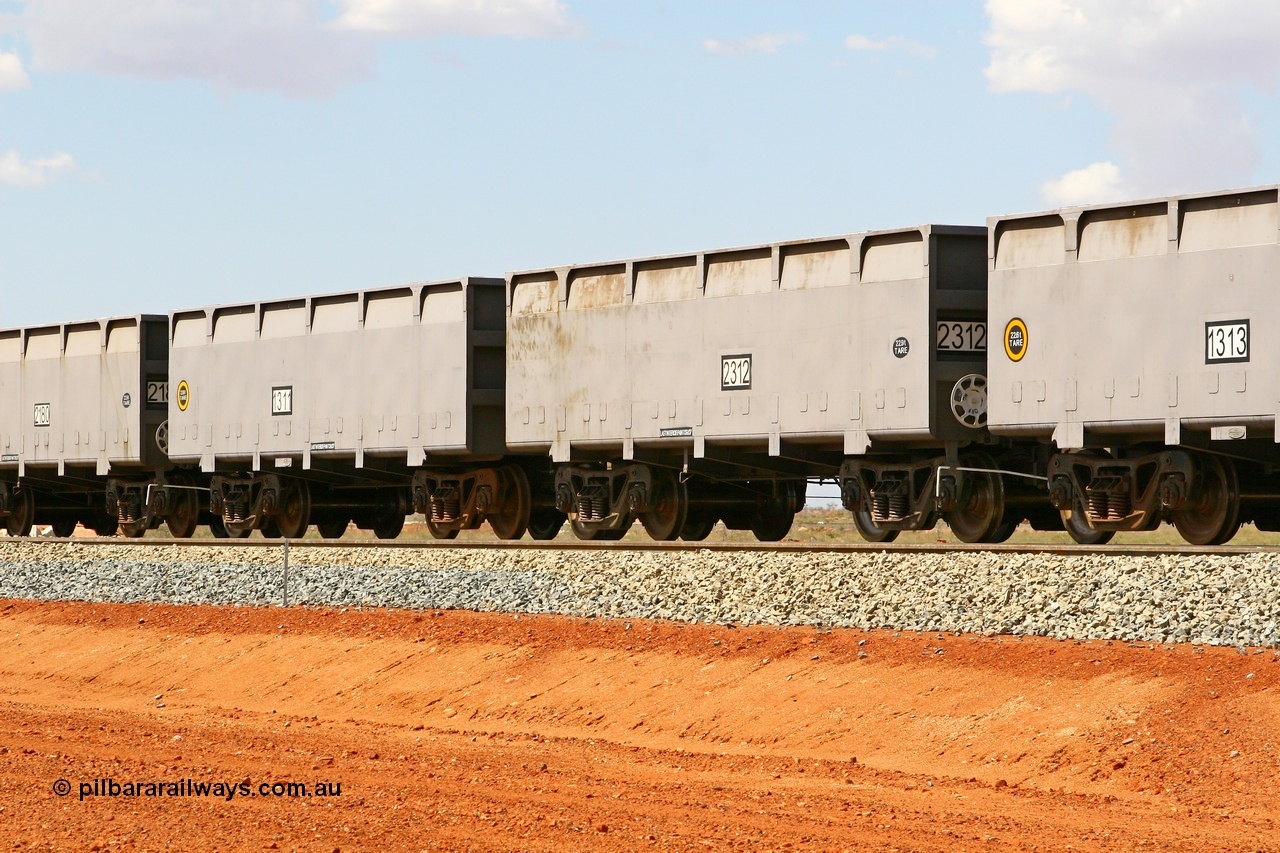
1226, 341
962, 337
735, 372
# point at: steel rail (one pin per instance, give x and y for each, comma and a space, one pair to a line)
1109, 550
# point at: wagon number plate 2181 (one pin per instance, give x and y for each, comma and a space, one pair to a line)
1226, 341
735, 372
962, 337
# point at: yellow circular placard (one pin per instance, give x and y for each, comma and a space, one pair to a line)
1015, 339
184, 395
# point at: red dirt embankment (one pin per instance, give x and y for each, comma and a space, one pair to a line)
462, 731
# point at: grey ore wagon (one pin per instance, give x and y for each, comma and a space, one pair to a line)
1141, 338
360, 406
82, 428
686, 389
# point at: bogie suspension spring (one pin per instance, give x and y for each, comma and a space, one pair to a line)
446, 505
1109, 504
889, 505
593, 504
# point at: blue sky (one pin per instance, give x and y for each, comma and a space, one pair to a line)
163, 154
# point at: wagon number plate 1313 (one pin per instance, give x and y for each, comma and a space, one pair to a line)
962, 337
735, 372
1226, 341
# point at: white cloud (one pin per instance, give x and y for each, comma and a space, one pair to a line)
33, 173
12, 75
283, 45
861, 42
427, 18
765, 43
1096, 183
296, 47
1172, 72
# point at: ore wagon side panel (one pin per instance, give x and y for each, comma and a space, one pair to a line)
385, 373
79, 395
537, 354
827, 342
11, 430
131, 373
892, 304
336, 357
190, 433
1139, 319
395, 385
42, 397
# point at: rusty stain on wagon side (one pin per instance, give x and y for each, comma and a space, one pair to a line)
599, 287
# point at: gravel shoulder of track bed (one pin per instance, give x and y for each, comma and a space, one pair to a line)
1204, 599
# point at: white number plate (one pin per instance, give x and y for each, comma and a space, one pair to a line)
735, 372
42, 414
962, 337
1226, 341
282, 400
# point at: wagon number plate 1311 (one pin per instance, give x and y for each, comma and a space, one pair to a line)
282, 400
1226, 341
962, 337
735, 372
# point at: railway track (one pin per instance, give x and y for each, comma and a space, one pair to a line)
1148, 592
1110, 550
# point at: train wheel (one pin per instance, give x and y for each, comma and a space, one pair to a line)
512, 519
545, 524
23, 514
1076, 522
64, 527
619, 533
184, 514
293, 517
388, 525
697, 526
222, 530
869, 530
772, 522
1006, 529
332, 528
667, 508
978, 515
134, 529
1212, 515
600, 535
270, 529
1266, 520
581, 532
438, 532
1078, 527
105, 525
1045, 518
